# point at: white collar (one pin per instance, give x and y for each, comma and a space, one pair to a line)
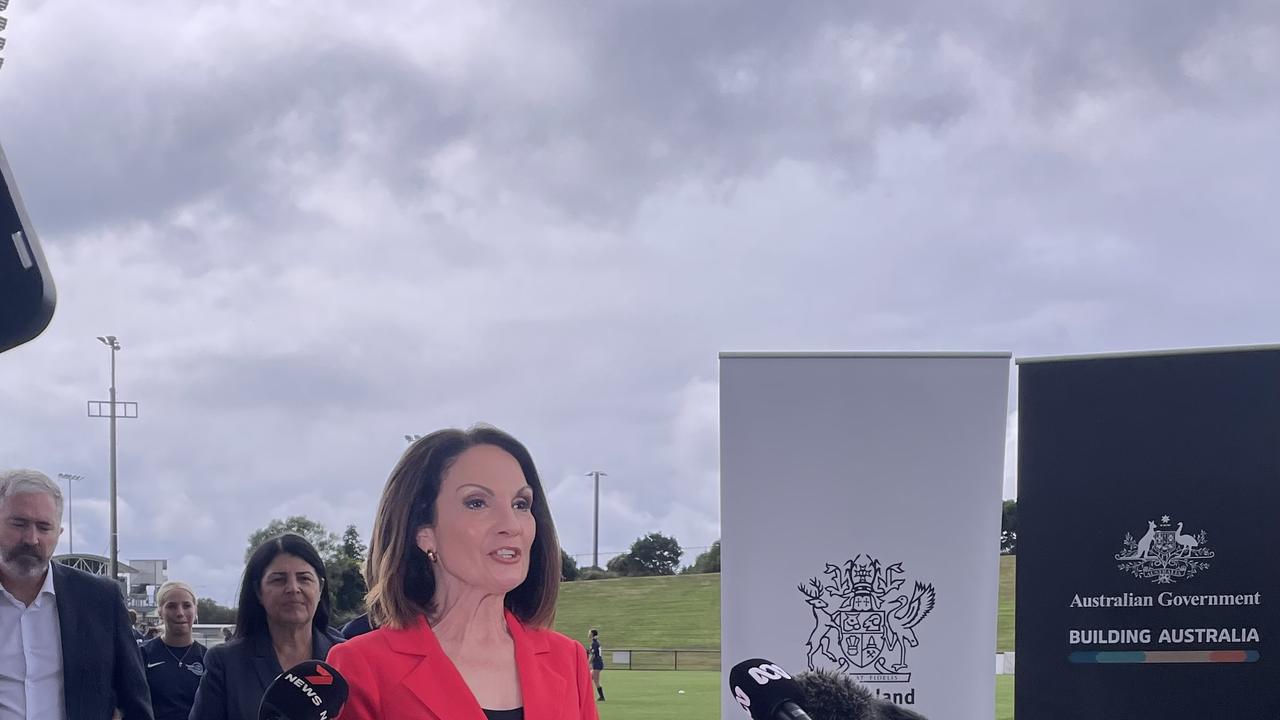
47, 587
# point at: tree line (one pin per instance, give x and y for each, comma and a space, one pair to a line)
652, 554
1009, 527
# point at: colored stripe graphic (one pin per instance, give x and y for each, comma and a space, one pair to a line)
1140, 657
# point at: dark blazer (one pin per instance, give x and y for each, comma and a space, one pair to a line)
358, 626
101, 668
397, 674
236, 676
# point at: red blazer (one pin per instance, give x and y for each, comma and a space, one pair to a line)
405, 674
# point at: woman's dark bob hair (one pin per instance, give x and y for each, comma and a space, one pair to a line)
402, 587
251, 616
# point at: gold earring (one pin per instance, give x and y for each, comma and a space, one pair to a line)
432, 556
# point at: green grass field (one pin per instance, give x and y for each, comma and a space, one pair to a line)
1004, 615
683, 612
655, 695
1004, 697
1004, 633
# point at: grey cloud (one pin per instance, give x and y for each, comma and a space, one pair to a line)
317, 236
646, 95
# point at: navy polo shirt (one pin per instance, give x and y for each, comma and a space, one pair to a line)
173, 674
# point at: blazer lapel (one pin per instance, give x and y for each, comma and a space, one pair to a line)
69, 629
434, 680
320, 645
265, 663
541, 683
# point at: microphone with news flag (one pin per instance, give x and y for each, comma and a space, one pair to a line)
311, 690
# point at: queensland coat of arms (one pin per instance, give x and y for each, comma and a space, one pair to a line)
863, 622
1165, 554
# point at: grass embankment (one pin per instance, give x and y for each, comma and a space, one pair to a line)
681, 611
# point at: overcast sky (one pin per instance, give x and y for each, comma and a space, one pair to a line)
319, 226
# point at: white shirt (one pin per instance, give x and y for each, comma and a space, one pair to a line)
31, 657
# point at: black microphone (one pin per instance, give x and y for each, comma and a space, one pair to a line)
766, 691
831, 695
27, 294
307, 691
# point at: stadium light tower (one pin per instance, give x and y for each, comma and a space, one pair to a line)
595, 526
130, 410
71, 516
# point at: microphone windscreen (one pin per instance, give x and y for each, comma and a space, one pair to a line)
761, 687
311, 690
833, 695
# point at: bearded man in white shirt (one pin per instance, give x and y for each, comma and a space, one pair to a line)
66, 648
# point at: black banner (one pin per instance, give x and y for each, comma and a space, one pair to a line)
1148, 497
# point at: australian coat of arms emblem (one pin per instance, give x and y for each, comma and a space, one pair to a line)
863, 622
1165, 554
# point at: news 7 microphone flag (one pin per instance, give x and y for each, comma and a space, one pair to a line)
1148, 489
860, 519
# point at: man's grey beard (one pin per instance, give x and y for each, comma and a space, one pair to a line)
24, 562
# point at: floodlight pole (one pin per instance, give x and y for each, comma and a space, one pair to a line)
115, 529
595, 525
71, 516
95, 410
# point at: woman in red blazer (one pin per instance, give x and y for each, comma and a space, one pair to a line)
463, 571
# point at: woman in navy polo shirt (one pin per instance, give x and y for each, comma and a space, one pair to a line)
174, 661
